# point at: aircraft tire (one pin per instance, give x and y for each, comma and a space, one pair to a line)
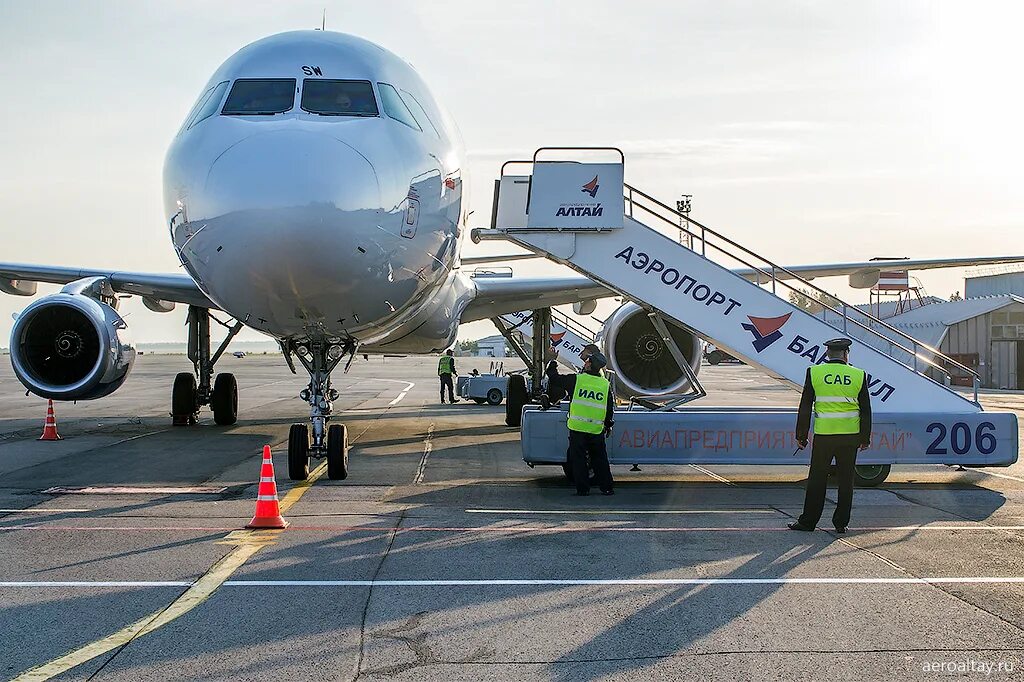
870, 475
517, 397
183, 399
337, 452
298, 452
224, 399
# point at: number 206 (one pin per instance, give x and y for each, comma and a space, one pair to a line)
960, 438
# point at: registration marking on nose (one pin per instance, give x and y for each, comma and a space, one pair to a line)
135, 490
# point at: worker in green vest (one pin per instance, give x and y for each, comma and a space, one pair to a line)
838, 394
590, 421
445, 371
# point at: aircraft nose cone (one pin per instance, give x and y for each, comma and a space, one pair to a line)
279, 232
290, 171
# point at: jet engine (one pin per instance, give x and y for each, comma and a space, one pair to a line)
70, 346
642, 363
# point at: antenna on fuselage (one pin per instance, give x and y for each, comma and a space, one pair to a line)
323, 20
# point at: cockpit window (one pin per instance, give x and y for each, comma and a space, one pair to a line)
260, 96
395, 107
338, 98
419, 112
209, 105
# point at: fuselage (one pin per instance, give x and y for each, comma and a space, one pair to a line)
316, 189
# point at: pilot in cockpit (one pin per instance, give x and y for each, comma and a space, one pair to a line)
342, 102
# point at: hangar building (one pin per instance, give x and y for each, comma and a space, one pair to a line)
985, 334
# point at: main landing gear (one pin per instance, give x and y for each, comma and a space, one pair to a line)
194, 390
318, 439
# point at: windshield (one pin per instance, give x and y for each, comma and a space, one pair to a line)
395, 107
209, 105
338, 98
256, 96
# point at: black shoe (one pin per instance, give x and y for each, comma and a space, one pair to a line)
582, 493
841, 529
796, 525
607, 492
456, 401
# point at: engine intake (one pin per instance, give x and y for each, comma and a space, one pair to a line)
639, 357
71, 347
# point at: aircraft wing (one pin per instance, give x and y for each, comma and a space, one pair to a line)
864, 271
501, 295
172, 287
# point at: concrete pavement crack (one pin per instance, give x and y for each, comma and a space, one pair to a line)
741, 652
369, 597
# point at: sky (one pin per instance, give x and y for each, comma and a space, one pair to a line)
810, 132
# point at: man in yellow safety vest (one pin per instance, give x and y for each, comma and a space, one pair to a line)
591, 417
838, 392
445, 370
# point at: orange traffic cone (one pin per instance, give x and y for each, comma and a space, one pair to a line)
50, 427
268, 511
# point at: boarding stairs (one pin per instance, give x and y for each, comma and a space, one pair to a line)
728, 295
568, 336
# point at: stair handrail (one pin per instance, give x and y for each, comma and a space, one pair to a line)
573, 325
773, 278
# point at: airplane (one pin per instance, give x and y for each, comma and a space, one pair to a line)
316, 192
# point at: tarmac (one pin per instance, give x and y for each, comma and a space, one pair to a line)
444, 557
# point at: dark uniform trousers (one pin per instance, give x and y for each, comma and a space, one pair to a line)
583, 444
446, 382
843, 448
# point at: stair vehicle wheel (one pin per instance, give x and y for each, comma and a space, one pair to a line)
870, 475
714, 357
224, 400
517, 397
337, 452
298, 452
184, 399
494, 396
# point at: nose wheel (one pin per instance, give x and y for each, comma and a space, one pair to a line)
298, 452
318, 439
337, 452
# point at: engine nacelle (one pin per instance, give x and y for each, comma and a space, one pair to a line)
69, 346
642, 363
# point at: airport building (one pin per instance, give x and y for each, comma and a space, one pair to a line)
985, 334
492, 347
1008, 280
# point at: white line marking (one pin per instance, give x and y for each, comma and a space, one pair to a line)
95, 583
622, 582
408, 387
135, 490
986, 472
428, 447
42, 511
621, 511
712, 474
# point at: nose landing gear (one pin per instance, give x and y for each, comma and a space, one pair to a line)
317, 439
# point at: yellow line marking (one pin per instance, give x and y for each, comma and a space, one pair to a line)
249, 542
